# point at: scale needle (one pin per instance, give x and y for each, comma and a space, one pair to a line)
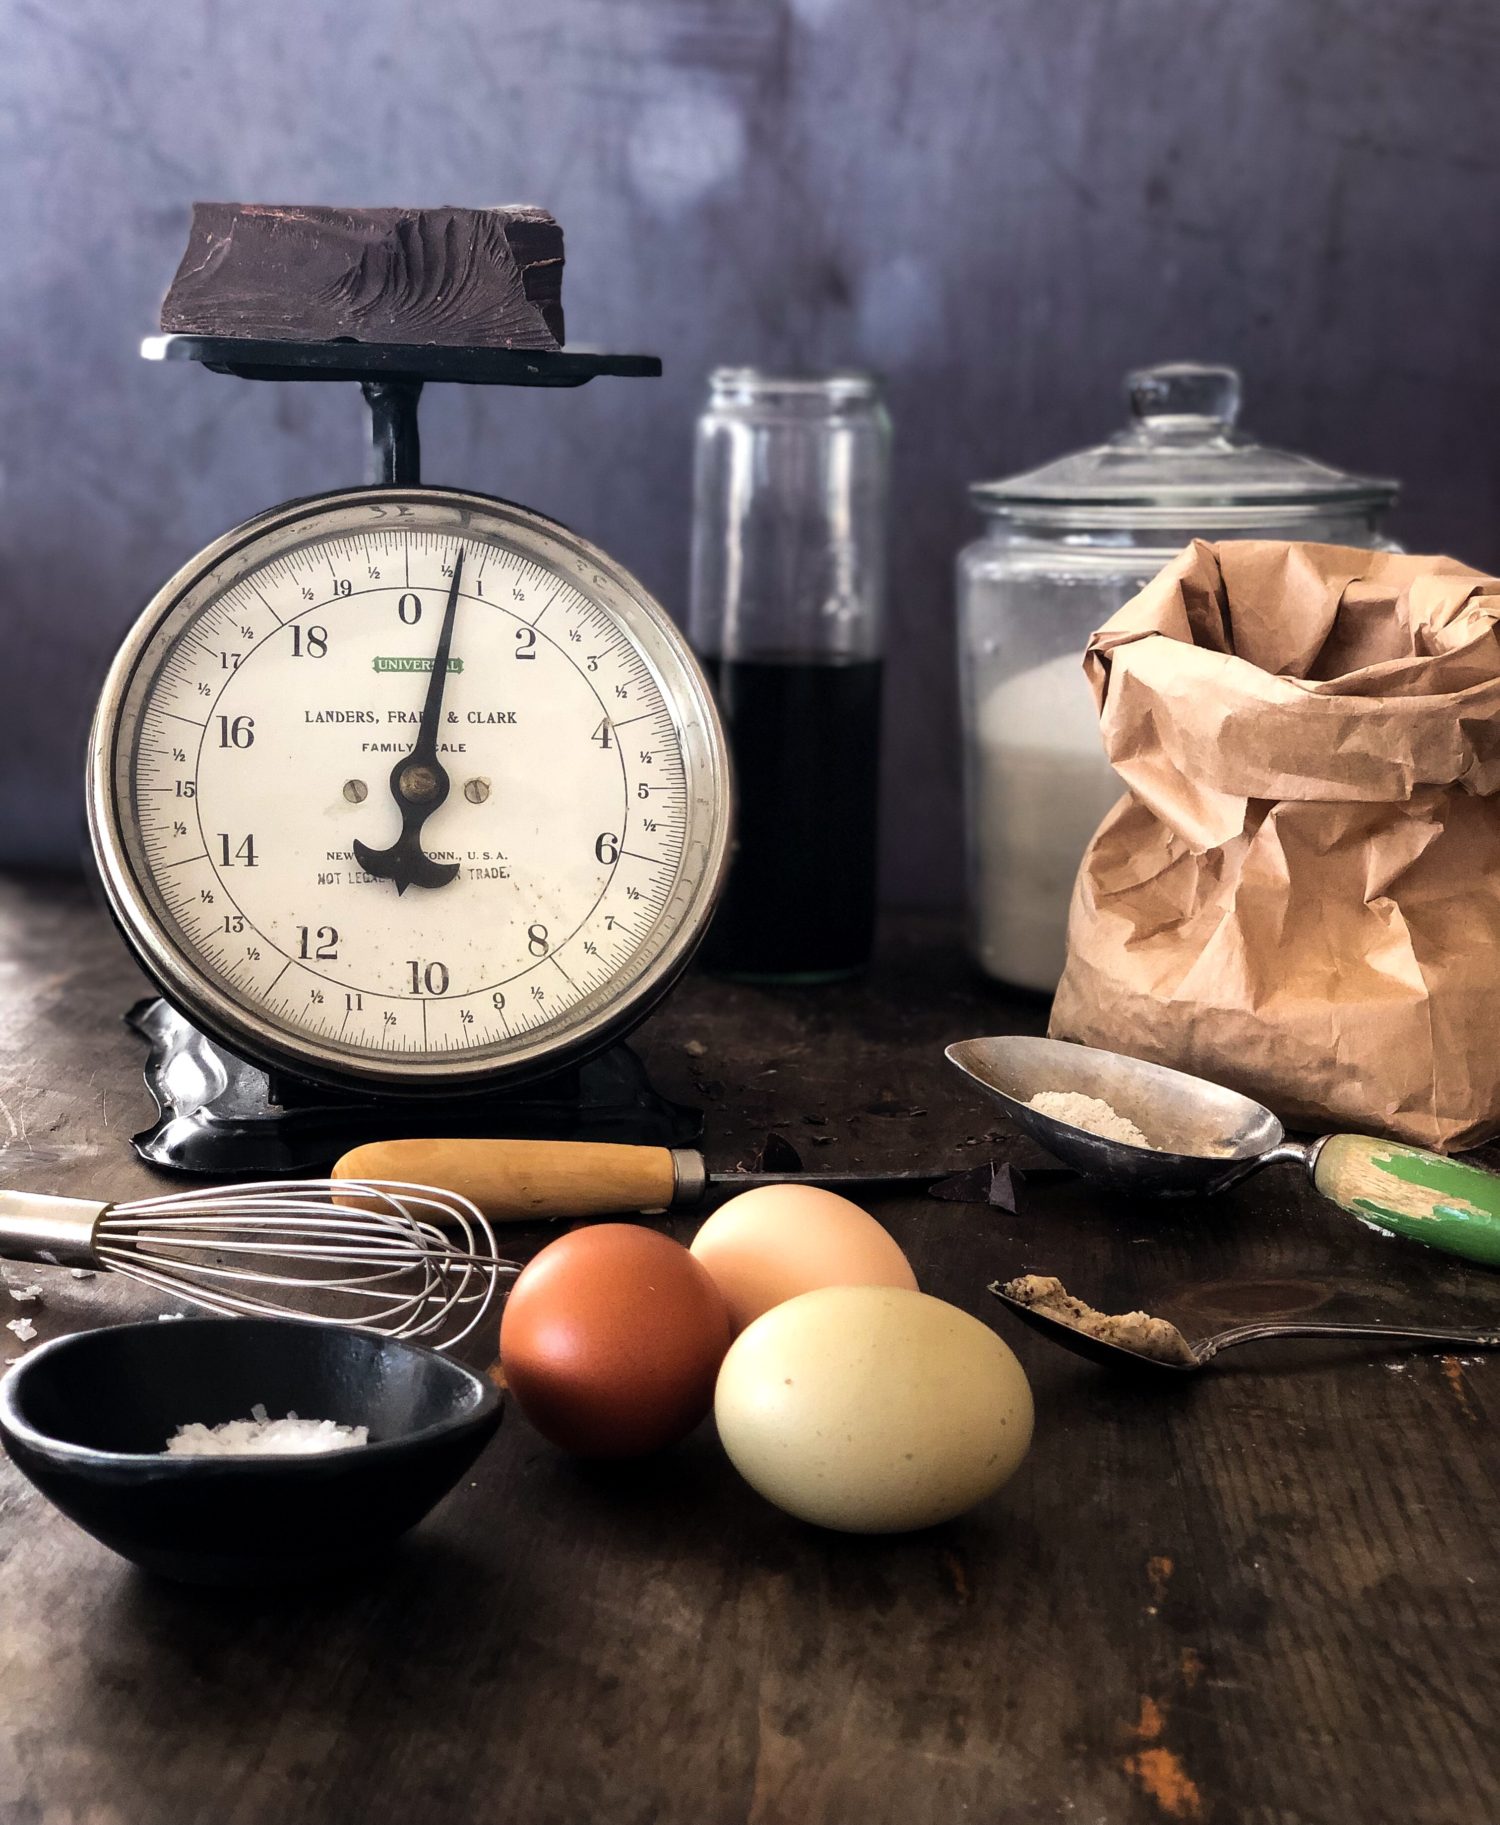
419, 781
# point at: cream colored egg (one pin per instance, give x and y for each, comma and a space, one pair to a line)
776, 1241
872, 1409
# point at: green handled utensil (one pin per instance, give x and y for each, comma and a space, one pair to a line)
1205, 1138
1410, 1192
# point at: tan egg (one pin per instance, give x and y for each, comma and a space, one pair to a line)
777, 1241
872, 1409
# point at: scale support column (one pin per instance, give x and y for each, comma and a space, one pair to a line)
395, 458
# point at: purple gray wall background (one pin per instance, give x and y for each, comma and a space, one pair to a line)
1002, 204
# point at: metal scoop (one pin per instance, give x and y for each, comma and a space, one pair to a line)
1198, 1355
1205, 1138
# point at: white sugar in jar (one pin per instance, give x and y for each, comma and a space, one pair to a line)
1040, 787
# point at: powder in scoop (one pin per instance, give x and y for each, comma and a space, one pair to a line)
1089, 1113
262, 1436
1137, 1331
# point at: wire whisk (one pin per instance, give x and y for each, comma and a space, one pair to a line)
403, 1260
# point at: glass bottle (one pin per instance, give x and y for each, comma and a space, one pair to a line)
787, 613
1063, 547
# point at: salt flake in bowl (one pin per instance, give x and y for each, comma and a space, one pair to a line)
261, 1435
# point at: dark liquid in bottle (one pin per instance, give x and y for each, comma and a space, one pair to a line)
805, 734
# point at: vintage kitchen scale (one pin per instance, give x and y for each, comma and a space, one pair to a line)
409, 800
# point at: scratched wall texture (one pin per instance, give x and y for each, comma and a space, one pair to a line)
1003, 204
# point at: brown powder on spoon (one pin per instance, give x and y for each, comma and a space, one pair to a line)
1137, 1331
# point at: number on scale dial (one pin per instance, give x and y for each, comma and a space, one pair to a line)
409, 787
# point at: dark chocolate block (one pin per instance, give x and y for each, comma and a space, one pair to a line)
478, 278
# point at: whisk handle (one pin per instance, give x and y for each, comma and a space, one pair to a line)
58, 1232
527, 1181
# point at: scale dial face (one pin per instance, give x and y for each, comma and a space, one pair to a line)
258, 752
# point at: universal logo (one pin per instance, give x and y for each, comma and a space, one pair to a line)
414, 665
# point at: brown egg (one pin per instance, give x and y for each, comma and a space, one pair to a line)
612, 1339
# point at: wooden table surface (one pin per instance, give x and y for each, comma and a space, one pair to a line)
1268, 1595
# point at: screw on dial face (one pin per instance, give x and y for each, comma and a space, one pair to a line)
562, 777
419, 783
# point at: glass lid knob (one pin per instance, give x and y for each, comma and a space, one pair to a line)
1183, 399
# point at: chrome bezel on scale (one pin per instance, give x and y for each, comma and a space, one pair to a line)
593, 1023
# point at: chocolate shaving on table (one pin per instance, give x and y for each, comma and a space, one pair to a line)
887, 1104
996, 1183
1011, 1179
776, 1154
971, 1187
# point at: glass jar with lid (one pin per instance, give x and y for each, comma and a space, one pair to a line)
1063, 547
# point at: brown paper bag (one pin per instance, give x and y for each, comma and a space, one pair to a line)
1300, 897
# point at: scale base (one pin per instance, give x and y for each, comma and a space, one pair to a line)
221, 1116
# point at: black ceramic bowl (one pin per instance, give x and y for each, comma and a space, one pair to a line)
87, 1418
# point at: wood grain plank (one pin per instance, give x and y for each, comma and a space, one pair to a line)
1267, 1596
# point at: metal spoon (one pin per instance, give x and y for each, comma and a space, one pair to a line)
1205, 1138
1098, 1349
